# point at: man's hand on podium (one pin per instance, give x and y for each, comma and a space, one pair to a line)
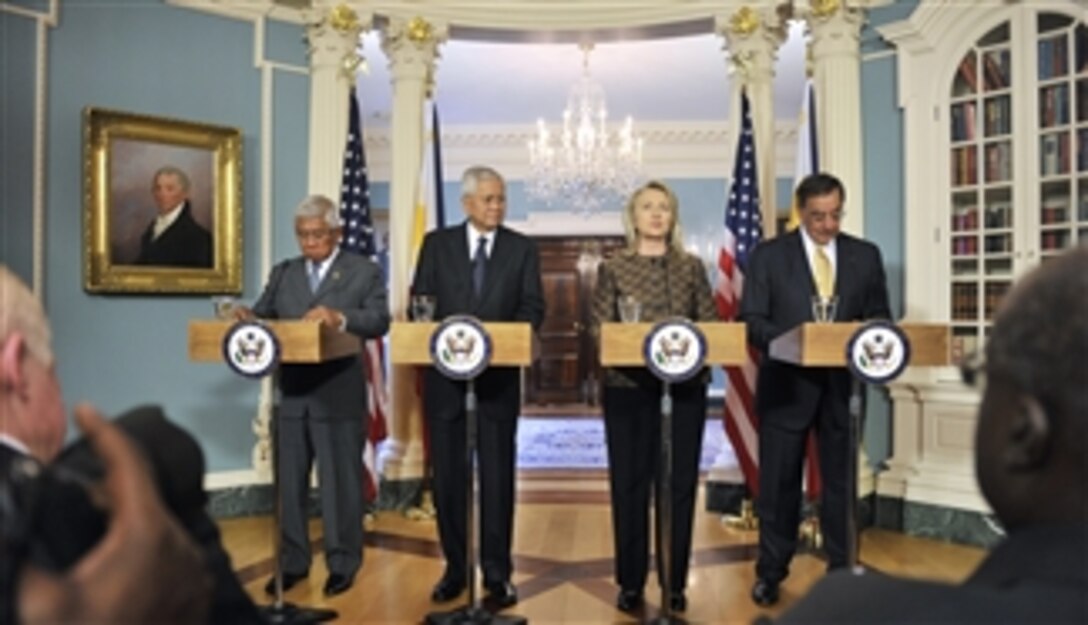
241, 313
327, 316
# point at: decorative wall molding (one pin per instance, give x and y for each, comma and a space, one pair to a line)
44, 20
515, 15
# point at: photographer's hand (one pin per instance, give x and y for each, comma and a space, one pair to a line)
145, 569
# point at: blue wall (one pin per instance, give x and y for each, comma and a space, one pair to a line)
146, 57
882, 139
16, 141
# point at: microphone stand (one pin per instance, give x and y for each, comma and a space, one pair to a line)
472, 613
855, 425
663, 508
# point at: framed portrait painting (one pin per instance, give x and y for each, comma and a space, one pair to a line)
162, 205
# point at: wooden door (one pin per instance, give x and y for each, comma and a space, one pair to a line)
566, 371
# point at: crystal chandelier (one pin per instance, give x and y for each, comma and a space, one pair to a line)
586, 167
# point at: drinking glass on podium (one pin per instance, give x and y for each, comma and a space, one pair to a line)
421, 307
824, 307
630, 309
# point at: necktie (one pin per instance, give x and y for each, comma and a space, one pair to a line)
821, 265
314, 276
479, 265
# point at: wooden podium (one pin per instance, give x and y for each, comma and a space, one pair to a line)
301, 342
511, 346
621, 343
622, 346
824, 345
511, 343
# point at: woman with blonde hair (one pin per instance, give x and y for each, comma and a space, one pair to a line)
655, 275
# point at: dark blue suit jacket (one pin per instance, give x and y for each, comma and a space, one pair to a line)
778, 291
512, 292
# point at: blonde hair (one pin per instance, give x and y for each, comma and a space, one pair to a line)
676, 237
22, 313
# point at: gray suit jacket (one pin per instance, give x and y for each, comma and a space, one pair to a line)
354, 286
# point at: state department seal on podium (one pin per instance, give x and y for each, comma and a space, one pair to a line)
461, 347
674, 350
878, 352
251, 349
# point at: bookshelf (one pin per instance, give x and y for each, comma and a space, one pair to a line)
1018, 146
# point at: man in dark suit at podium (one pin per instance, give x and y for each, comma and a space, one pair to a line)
784, 275
1031, 458
321, 407
483, 269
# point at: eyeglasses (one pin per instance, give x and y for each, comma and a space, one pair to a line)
315, 235
973, 371
822, 217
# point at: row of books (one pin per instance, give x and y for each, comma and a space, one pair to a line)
1054, 105
964, 166
998, 162
996, 215
1082, 149
1082, 99
1053, 57
1050, 240
995, 72
963, 121
991, 244
965, 304
1054, 209
964, 301
1054, 154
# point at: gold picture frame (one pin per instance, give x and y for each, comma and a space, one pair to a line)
138, 168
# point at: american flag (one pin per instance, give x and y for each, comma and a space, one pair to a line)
358, 238
743, 230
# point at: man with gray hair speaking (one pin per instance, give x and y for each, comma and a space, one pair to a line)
321, 404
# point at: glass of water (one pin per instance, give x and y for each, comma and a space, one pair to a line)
823, 308
422, 308
224, 306
630, 309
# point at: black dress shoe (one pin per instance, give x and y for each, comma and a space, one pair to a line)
289, 580
629, 600
765, 592
338, 583
447, 589
501, 594
677, 601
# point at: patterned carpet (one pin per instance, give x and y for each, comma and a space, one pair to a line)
578, 443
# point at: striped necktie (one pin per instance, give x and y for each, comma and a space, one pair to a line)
821, 266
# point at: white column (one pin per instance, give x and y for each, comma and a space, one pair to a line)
835, 30
752, 39
333, 38
412, 49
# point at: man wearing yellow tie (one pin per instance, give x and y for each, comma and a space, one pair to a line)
785, 279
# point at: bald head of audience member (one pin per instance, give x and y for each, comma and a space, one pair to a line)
31, 404
1032, 438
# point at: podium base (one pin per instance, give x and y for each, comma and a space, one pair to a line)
289, 614
473, 616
